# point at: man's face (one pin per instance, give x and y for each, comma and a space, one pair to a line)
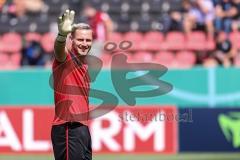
82, 41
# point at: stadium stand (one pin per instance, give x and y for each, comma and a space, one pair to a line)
143, 56
196, 41
174, 41
235, 39
135, 38
185, 59
8, 39
143, 22
152, 41
165, 58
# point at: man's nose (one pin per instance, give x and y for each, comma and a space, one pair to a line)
84, 43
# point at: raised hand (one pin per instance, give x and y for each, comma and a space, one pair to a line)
65, 22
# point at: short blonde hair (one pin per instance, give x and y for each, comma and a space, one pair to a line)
80, 26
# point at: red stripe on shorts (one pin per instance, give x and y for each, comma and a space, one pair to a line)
66, 142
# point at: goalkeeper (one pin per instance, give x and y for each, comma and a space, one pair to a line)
70, 134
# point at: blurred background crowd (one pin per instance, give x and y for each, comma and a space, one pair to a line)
175, 33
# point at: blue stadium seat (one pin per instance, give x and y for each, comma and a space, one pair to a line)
155, 6
115, 6
135, 6
123, 23
144, 23
96, 3
175, 5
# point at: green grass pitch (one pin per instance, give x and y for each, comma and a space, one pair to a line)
185, 156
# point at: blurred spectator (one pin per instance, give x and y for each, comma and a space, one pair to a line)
102, 26
210, 62
177, 17
34, 5
19, 8
176, 21
226, 11
224, 53
236, 20
33, 55
200, 14
173, 21
2, 2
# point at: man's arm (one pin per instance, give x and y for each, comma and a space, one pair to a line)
219, 11
205, 6
232, 12
59, 50
65, 23
108, 23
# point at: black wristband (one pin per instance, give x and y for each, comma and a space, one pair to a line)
61, 41
61, 35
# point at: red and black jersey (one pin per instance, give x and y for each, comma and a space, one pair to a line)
71, 83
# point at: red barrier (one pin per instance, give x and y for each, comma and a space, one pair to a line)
147, 129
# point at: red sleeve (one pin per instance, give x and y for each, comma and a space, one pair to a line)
57, 63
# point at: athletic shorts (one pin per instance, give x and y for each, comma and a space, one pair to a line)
71, 141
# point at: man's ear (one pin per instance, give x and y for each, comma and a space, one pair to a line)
71, 37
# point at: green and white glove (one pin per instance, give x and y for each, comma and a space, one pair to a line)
65, 25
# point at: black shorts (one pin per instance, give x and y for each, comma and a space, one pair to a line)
71, 141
